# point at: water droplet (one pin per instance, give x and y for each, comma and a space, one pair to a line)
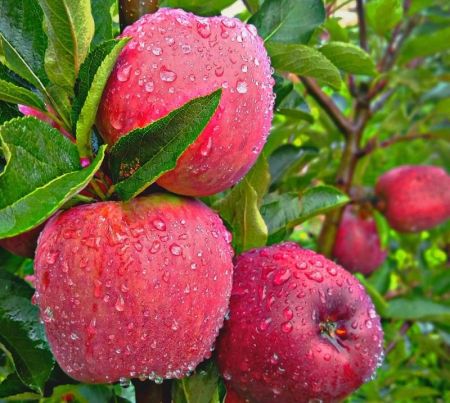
287, 327
369, 324
315, 276
51, 257
124, 382
204, 29
167, 75
219, 71
327, 357
244, 68
157, 51
186, 49
120, 304
176, 249
74, 336
372, 313
97, 288
149, 86
281, 277
228, 22
156, 245
288, 314
265, 324
123, 74
241, 87
159, 224
193, 266
274, 359
170, 41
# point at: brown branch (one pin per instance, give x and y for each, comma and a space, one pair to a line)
362, 24
373, 144
131, 10
402, 332
328, 105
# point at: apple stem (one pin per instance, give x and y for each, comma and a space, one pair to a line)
151, 392
131, 10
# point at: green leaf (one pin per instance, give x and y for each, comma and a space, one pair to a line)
138, 159
28, 200
349, 58
13, 386
304, 61
22, 333
101, 12
283, 212
197, 388
82, 393
199, 7
70, 28
379, 302
8, 112
418, 308
19, 95
336, 31
91, 81
426, 45
240, 208
288, 21
286, 157
383, 15
23, 38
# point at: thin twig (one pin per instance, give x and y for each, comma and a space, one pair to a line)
328, 105
362, 24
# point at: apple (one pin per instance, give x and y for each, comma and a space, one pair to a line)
357, 246
133, 289
175, 56
301, 328
414, 198
23, 244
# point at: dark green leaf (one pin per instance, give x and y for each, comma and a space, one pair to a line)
18, 95
8, 112
380, 303
304, 61
288, 21
426, 45
197, 388
70, 27
349, 58
199, 7
336, 31
282, 88
22, 333
383, 15
138, 159
81, 394
13, 386
27, 200
240, 208
418, 309
21, 25
287, 156
91, 81
101, 11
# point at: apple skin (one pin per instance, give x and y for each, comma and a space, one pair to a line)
279, 344
414, 198
175, 56
357, 247
23, 244
136, 289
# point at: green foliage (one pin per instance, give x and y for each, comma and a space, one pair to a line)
138, 159
56, 56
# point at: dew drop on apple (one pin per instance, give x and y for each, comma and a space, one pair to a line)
175, 249
159, 224
281, 277
149, 86
204, 29
123, 74
287, 327
241, 87
120, 304
167, 75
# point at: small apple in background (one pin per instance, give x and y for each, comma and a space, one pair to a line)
175, 56
414, 198
136, 289
301, 327
23, 244
357, 246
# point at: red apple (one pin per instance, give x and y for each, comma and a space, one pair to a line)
136, 289
301, 328
23, 244
175, 56
414, 198
357, 246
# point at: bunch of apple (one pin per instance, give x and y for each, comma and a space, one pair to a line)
140, 289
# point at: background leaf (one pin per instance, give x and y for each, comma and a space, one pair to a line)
288, 21
101, 12
199, 7
18, 95
383, 15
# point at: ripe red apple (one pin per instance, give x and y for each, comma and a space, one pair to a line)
175, 56
301, 328
136, 289
414, 198
23, 244
357, 246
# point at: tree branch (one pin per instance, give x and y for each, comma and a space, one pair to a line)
362, 24
131, 10
328, 105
